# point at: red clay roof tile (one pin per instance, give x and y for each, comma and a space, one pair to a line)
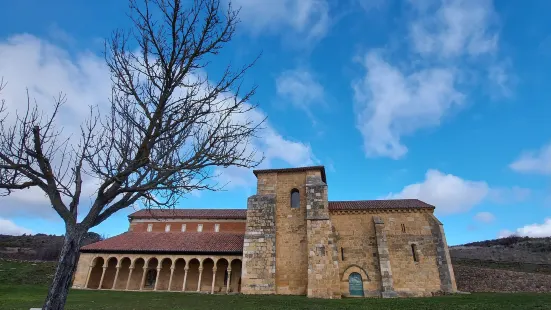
174, 242
379, 204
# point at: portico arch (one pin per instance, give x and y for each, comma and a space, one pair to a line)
137, 272
95, 273
164, 274
124, 272
110, 272
193, 275
206, 275
178, 276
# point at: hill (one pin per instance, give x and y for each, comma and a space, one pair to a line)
37, 247
503, 265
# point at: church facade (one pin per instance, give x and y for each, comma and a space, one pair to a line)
290, 240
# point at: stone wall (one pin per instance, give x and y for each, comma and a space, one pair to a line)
357, 248
291, 240
323, 264
259, 247
473, 279
360, 246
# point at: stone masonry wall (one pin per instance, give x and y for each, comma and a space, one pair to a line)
357, 241
357, 249
259, 247
323, 264
291, 241
409, 274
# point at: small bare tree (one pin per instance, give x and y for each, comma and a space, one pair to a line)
168, 127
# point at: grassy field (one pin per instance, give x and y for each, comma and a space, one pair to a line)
22, 286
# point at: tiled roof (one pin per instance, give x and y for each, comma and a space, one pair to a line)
379, 204
298, 169
191, 213
173, 242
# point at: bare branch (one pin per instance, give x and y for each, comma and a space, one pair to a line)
169, 127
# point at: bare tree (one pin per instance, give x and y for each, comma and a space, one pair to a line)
168, 127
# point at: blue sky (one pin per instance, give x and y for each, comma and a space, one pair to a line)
445, 101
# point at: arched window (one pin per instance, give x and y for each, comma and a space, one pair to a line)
355, 284
414, 252
295, 198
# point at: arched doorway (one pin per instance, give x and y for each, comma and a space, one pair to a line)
95, 273
355, 284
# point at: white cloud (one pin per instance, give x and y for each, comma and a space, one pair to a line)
8, 227
46, 70
448, 40
306, 20
455, 28
392, 103
484, 217
538, 162
449, 193
300, 88
533, 230
452, 194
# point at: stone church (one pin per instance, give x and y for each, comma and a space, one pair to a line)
290, 240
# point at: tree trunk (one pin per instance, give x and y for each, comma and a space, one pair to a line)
70, 252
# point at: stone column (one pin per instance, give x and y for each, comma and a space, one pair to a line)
157, 278
116, 276
228, 283
142, 282
102, 276
213, 279
129, 277
200, 276
88, 276
387, 284
171, 274
185, 278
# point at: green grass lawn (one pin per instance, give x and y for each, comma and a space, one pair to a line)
26, 296
22, 286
